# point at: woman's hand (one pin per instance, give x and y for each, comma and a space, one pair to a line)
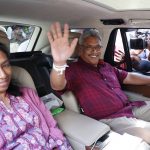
60, 46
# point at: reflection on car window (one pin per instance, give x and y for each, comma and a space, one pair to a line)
19, 36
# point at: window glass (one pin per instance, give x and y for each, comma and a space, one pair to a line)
119, 53
19, 36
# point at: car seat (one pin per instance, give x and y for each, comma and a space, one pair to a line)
80, 130
22, 78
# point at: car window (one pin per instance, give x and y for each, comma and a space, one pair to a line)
20, 37
119, 53
131, 50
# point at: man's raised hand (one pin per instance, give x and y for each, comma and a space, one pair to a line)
60, 47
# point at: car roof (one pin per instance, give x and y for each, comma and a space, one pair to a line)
78, 14
73, 11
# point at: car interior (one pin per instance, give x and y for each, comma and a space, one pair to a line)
122, 25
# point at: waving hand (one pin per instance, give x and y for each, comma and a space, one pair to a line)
60, 46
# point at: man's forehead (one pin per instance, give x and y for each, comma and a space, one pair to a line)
92, 40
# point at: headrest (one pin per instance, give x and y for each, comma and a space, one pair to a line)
22, 78
73, 35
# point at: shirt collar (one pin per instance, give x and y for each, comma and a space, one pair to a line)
101, 62
87, 65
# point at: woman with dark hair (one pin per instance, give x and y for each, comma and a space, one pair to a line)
25, 123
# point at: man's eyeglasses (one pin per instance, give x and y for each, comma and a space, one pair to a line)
91, 48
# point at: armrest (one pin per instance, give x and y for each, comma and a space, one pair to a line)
132, 96
81, 128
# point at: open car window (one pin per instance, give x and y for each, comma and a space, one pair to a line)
22, 37
129, 49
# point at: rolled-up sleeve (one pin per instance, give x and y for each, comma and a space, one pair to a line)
121, 74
